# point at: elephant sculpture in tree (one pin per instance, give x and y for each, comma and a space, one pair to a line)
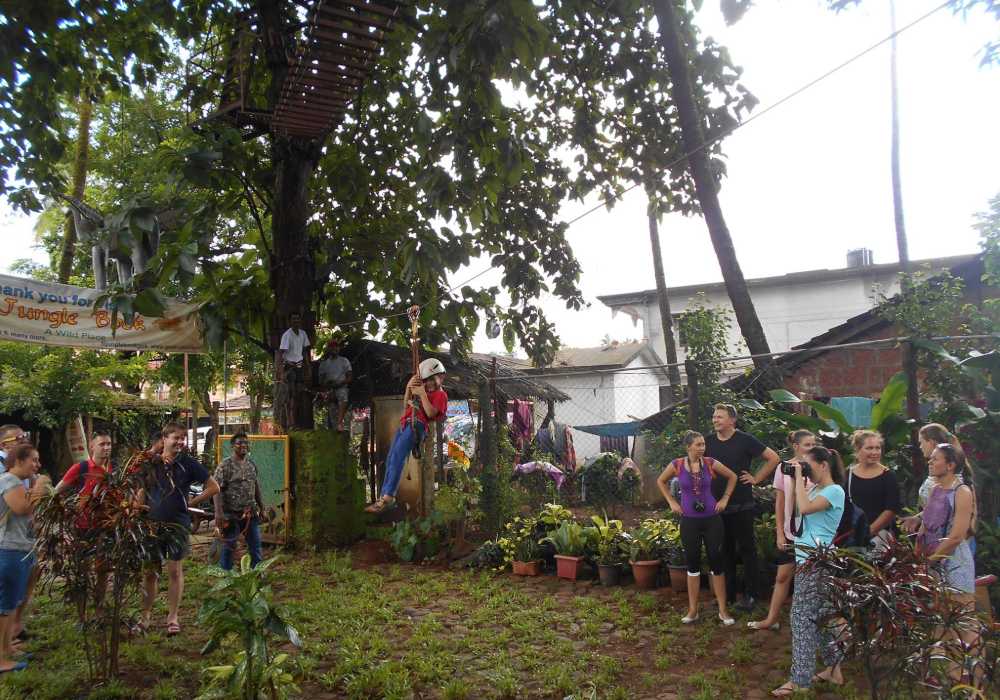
106, 236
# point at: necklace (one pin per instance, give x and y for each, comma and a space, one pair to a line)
696, 477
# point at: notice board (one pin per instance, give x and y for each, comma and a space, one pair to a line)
270, 454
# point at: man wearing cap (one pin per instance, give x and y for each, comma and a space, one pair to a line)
427, 389
334, 378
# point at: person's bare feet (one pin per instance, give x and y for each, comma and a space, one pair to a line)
830, 674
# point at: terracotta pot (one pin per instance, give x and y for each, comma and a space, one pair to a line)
527, 568
568, 567
609, 574
645, 573
678, 578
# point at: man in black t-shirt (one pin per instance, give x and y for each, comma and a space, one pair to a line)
737, 450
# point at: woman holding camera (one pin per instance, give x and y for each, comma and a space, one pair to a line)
801, 441
822, 507
700, 519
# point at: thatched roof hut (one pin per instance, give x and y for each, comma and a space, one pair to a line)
381, 369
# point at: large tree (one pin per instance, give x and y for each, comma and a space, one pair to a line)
477, 121
677, 37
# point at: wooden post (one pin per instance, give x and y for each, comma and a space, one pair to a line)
487, 447
440, 442
913, 406
692, 385
427, 477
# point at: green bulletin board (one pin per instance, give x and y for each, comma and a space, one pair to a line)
270, 454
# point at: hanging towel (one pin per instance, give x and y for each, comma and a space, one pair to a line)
856, 409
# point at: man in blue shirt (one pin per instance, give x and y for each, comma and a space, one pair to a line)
166, 493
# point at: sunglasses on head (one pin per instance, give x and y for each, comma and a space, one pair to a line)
14, 438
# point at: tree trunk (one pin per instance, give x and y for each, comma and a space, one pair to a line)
84, 111
292, 270
897, 186
705, 185
666, 319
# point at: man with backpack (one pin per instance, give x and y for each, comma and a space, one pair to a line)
86, 479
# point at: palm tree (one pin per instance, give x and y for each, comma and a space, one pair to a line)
672, 38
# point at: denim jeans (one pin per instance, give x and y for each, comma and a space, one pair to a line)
405, 438
231, 535
15, 569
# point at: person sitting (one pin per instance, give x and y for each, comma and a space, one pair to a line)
426, 387
239, 503
822, 508
334, 377
700, 519
17, 559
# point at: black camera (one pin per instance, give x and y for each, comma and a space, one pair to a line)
788, 469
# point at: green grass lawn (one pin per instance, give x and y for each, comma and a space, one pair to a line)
400, 631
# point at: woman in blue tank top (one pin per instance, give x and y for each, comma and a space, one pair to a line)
700, 520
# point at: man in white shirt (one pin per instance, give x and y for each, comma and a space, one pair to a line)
334, 378
294, 360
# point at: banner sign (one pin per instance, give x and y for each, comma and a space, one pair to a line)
48, 313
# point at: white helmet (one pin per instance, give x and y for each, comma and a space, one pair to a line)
430, 367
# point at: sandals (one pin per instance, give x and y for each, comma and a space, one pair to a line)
727, 621
19, 666
139, 629
824, 677
687, 619
381, 504
786, 690
173, 629
759, 626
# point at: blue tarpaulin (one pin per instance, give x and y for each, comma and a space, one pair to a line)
611, 429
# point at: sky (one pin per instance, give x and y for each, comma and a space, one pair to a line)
809, 180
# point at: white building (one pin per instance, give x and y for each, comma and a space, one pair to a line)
792, 308
605, 384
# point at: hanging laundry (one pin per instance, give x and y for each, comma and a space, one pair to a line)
521, 426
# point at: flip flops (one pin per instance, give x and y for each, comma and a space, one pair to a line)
173, 629
19, 666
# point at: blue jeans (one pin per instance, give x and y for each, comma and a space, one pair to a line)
15, 569
231, 535
402, 444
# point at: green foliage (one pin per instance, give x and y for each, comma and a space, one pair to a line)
53, 385
704, 331
120, 534
602, 486
892, 617
423, 538
657, 539
608, 540
239, 606
570, 539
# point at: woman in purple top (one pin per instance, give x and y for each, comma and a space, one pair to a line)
700, 520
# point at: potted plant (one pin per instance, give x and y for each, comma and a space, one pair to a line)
527, 555
521, 548
608, 542
642, 553
677, 566
570, 542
